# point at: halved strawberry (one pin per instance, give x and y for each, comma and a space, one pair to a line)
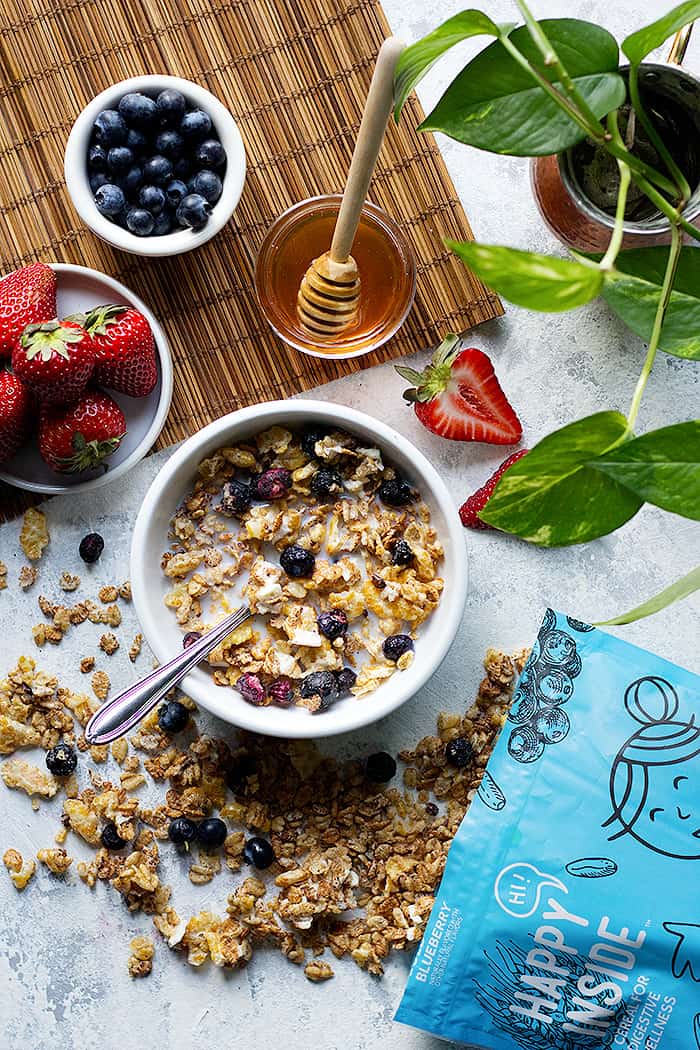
80, 436
459, 397
27, 296
15, 415
54, 360
123, 341
469, 511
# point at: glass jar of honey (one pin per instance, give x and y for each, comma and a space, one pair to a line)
384, 260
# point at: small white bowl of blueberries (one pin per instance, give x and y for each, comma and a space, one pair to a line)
155, 165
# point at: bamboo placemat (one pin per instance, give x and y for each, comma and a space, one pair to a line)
295, 74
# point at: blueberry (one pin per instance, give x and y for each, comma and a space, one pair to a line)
190, 638
282, 692
136, 141
251, 689
61, 760
524, 745
380, 767
97, 158
401, 553
109, 200
207, 185
396, 492
109, 128
182, 168
170, 144
170, 107
100, 179
193, 211
158, 170
333, 624
431, 809
273, 484
396, 645
326, 482
236, 497
258, 852
345, 680
174, 192
138, 110
173, 716
296, 561
111, 839
211, 154
212, 832
163, 225
132, 180
195, 125
320, 683
120, 159
152, 198
310, 437
91, 547
459, 752
140, 222
182, 830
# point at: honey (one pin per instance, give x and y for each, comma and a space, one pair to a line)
385, 264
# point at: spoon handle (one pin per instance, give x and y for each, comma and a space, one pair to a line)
122, 713
369, 141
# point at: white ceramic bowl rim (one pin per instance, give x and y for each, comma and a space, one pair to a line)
161, 413
349, 714
78, 184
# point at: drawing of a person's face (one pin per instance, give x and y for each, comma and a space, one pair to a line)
557, 647
670, 819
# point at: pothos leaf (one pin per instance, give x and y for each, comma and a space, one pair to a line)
538, 282
638, 45
553, 497
417, 59
675, 593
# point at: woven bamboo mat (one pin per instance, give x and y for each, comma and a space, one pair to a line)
295, 74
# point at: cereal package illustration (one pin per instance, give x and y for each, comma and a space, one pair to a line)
569, 912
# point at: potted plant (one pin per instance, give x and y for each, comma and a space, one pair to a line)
555, 89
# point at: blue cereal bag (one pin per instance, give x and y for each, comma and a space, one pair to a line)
569, 912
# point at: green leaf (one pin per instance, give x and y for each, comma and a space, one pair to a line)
633, 293
553, 497
417, 59
662, 467
494, 104
638, 45
538, 282
675, 593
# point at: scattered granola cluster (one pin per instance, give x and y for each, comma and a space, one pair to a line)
341, 560
337, 840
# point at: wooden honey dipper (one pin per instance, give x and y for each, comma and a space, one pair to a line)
329, 295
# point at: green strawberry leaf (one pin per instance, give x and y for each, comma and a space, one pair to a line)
675, 593
662, 467
537, 282
554, 497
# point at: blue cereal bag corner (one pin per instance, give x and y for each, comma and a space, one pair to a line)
569, 912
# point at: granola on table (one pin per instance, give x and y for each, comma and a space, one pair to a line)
333, 551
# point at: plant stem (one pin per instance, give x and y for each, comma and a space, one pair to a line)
606, 263
620, 152
666, 289
560, 100
676, 173
552, 61
693, 231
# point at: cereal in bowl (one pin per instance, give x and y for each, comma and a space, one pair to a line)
332, 550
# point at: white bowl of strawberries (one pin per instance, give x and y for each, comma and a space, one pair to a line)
85, 378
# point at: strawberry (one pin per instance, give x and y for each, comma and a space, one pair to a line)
15, 415
126, 355
55, 360
459, 397
27, 296
80, 436
469, 511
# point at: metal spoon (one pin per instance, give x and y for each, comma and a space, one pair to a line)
119, 715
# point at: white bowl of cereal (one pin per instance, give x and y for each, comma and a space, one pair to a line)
341, 537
